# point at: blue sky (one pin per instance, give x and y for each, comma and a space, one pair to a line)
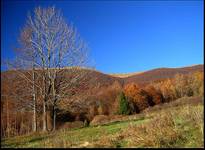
123, 36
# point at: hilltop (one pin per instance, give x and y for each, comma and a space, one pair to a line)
137, 77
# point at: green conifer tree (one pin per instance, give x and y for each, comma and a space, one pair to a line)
123, 105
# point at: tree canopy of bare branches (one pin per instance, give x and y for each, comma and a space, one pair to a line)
49, 50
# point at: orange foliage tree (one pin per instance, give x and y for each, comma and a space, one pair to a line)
167, 89
138, 95
108, 98
182, 86
197, 80
155, 95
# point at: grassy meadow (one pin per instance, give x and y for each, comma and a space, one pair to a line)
173, 126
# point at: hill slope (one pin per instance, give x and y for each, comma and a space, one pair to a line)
97, 83
161, 73
102, 79
175, 126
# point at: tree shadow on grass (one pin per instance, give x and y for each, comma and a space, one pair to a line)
37, 139
22, 143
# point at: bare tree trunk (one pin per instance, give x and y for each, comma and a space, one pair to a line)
2, 126
34, 101
7, 122
44, 116
15, 124
54, 118
44, 105
54, 101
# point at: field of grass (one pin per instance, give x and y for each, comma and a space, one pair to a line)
171, 127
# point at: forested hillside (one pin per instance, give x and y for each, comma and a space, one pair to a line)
96, 94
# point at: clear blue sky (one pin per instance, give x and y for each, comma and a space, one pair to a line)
123, 36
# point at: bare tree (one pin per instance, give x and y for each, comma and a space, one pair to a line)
10, 97
57, 45
50, 59
28, 52
22, 64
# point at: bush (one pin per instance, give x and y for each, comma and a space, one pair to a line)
85, 123
123, 105
100, 110
99, 119
74, 124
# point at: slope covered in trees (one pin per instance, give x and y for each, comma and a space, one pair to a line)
96, 94
161, 73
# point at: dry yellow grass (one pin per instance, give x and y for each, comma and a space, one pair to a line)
177, 127
171, 127
125, 75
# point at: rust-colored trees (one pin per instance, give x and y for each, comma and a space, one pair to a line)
143, 97
196, 80
154, 94
166, 88
181, 85
108, 97
138, 95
